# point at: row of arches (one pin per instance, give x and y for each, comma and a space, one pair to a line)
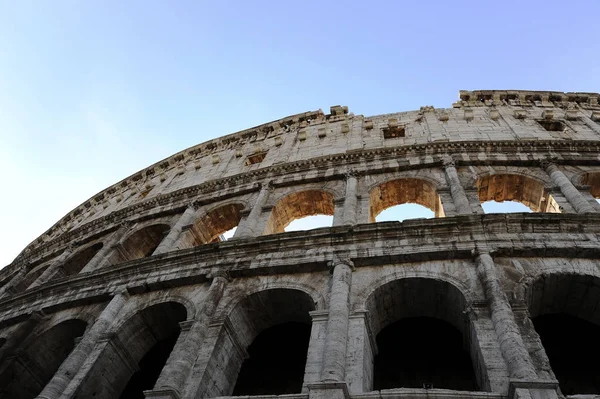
396, 199
421, 332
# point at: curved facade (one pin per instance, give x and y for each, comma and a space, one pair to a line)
135, 293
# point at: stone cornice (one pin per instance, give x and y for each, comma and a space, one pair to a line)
451, 238
432, 153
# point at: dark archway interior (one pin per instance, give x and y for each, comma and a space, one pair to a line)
276, 363
77, 262
573, 348
150, 367
34, 366
420, 352
140, 244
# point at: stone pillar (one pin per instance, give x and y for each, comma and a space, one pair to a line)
247, 228
168, 243
334, 362
316, 348
175, 373
461, 202
361, 353
573, 195
54, 267
350, 201
511, 343
73, 363
102, 256
9, 288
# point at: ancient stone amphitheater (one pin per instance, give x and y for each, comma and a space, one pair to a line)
135, 293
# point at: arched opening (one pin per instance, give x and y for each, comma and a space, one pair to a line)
297, 206
506, 188
563, 310
34, 366
140, 244
310, 222
132, 360
399, 194
276, 361
31, 277
216, 225
592, 180
273, 327
422, 336
78, 261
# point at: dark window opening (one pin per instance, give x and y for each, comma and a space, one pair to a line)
553, 126
255, 158
276, 361
422, 352
150, 367
573, 349
391, 132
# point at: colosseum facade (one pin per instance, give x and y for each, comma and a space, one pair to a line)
136, 294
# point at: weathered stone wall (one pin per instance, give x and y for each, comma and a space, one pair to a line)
141, 262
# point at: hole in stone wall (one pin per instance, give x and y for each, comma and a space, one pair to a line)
145, 340
150, 367
573, 349
297, 206
255, 158
593, 181
35, 365
391, 132
78, 261
404, 191
215, 226
419, 352
512, 187
404, 212
553, 126
276, 362
273, 327
505, 207
422, 318
140, 244
310, 222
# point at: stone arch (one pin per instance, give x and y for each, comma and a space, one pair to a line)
79, 259
362, 296
278, 314
405, 190
227, 306
214, 221
36, 363
145, 303
140, 243
299, 204
564, 311
132, 359
410, 318
591, 179
31, 276
516, 186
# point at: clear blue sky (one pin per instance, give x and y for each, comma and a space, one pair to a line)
92, 91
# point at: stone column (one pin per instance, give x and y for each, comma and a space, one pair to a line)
350, 201
102, 256
511, 343
175, 373
167, 244
72, 364
573, 195
334, 363
461, 202
247, 227
54, 266
9, 288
